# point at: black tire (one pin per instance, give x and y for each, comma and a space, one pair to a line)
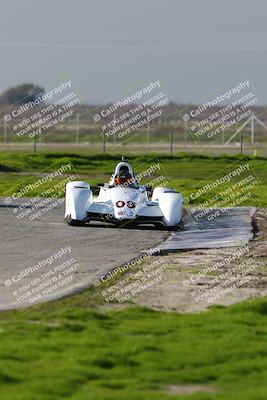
73, 222
181, 225
176, 228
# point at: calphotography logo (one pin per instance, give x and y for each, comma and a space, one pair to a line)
127, 116
43, 112
221, 194
49, 190
43, 279
220, 117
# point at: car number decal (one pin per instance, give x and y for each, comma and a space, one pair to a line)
130, 204
120, 204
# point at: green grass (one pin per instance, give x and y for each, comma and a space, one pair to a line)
66, 350
23, 161
187, 172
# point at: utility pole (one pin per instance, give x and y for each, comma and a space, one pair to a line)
77, 127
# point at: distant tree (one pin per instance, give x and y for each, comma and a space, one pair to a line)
21, 93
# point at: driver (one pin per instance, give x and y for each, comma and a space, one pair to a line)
123, 179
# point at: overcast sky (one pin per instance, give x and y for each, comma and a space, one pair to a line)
195, 47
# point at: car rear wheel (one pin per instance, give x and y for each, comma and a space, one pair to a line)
73, 222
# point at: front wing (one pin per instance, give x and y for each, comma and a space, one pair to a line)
149, 214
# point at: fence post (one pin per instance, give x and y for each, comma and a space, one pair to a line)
34, 144
252, 129
114, 124
77, 127
104, 143
171, 142
5, 131
148, 132
185, 132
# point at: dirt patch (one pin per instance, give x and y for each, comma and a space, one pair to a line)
190, 389
195, 280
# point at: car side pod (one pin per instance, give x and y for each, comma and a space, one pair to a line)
78, 199
171, 206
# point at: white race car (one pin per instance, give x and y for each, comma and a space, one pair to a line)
123, 202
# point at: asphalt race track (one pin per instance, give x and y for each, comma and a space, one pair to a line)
42, 258
46, 243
